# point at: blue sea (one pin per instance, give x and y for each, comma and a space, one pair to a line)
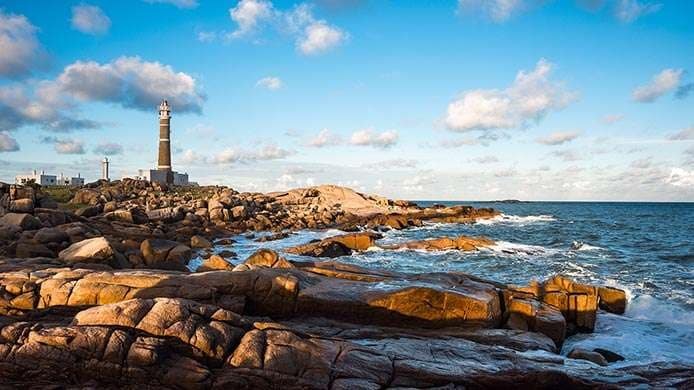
646, 249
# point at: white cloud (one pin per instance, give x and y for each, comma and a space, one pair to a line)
68, 146
320, 37
207, 36
90, 19
662, 83
611, 118
324, 138
129, 82
497, 10
249, 14
568, 155
272, 83
190, 156
177, 3
7, 143
485, 160
680, 178
313, 36
19, 47
109, 149
558, 138
629, 10
419, 182
368, 137
684, 134
396, 163
531, 96
267, 152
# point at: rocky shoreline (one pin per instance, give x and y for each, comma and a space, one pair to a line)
97, 291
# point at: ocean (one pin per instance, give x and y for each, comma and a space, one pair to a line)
646, 249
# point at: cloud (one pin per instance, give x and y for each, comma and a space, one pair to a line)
267, 152
129, 82
418, 182
320, 37
498, 11
20, 50
485, 160
272, 83
628, 11
65, 145
18, 109
509, 172
207, 36
177, 3
109, 149
90, 19
396, 163
7, 143
529, 99
368, 137
567, 155
611, 118
558, 138
249, 14
662, 83
324, 138
312, 36
684, 134
680, 178
642, 163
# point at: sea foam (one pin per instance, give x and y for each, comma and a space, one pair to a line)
516, 219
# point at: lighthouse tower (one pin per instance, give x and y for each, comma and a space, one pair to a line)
164, 164
104, 169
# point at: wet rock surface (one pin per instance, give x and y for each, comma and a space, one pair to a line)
102, 297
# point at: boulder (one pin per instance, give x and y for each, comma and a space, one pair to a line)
462, 243
527, 314
28, 250
215, 263
22, 206
591, 356
200, 242
341, 245
92, 250
23, 221
610, 356
165, 254
88, 211
267, 258
47, 235
612, 299
167, 214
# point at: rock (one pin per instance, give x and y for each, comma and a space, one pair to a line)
47, 235
88, 211
612, 299
23, 221
26, 250
267, 258
214, 263
165, 254
22, 206
110, 206
462, 243
341, 245
93, 250
525, 314
167, 214
200, 242
610, 356
595, 357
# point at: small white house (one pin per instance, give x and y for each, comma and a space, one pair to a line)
38, 178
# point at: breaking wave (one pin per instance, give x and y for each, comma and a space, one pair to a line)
516, 219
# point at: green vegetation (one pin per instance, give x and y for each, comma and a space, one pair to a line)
59, 193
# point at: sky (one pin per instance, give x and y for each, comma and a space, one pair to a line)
440, 100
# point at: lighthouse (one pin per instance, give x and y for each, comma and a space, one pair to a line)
164, 164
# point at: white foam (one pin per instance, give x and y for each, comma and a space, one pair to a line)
648, 308
513, 248
582, 246
504, 218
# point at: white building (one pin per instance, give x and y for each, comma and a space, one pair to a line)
49, 180
159, 176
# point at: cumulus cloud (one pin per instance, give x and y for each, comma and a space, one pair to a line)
628, 11
418, 182
267, 152
90, 19
368, 137
272, 83
109, 149
680, 178
567, 155
684, 134
529, 99
320, 37
497, 10
396, 163
7, 143
312, 36
65, 145
324, 138
129, 82
558, 138
177, 3
20, 50
662, 83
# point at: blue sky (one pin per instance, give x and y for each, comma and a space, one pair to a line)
468, 99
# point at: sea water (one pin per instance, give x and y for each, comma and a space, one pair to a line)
646, 249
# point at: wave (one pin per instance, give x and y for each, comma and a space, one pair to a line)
506, 247
505, 218
582, 246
